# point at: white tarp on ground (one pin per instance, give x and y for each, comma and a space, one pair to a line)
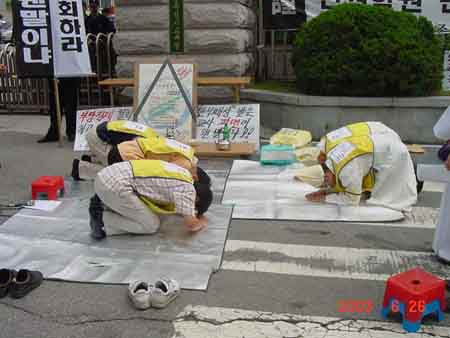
58, 244
270, 192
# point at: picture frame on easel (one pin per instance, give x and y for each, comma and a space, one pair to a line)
164, 101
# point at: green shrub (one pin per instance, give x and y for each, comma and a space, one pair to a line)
362, 50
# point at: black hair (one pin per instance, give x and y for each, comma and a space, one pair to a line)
325, 167
203, 177
204, 197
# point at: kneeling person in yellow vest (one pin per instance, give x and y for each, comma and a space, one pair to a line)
335, 137
138, 192
377, 164
152, 147
108, 134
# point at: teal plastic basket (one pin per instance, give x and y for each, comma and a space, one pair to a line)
275, 154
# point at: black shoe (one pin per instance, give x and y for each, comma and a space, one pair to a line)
6, 279
25, 282
86, 158
96, 218
442, 260
76, 170
49, 137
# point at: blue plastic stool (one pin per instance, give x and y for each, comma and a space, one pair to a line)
414, 326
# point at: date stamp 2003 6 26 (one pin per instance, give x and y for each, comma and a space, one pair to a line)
367, 306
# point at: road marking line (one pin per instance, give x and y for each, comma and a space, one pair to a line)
433, 186
323, 261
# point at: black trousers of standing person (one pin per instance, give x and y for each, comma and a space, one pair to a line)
68, 96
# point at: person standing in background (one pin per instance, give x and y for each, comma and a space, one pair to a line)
68, 94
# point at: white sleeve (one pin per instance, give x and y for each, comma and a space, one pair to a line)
351, 178
321, 144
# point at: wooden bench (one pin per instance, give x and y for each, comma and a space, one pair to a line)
237, 149
235, 82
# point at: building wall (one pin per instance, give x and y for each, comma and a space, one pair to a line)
219, 35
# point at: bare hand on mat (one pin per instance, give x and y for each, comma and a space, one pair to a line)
194, 224
317, 196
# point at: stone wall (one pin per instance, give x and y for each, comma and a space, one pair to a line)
412, 118
219, 36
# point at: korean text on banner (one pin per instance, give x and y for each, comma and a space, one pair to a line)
33, 38
437, 11
70, 48
446, 79
88, 119
51, 40
243, 121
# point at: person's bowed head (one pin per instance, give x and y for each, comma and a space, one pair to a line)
329, 181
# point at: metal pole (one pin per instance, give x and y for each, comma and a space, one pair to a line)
261, 40
58, 111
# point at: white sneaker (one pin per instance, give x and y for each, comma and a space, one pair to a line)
140, 294
163, 292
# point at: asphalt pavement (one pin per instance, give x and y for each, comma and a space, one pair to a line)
278, 278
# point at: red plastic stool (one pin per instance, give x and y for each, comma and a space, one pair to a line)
49, 185
415, 294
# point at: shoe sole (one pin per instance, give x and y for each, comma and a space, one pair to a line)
139, 304
163, 305
23, 292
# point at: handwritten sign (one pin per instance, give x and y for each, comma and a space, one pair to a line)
87, 119
242, 119
166, 109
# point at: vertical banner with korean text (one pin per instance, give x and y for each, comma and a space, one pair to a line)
33, 38
50, 37
176, 26
446, 80
70, 48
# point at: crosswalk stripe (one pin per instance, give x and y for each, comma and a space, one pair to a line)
398, 225
325, 261
433, 186
217, 322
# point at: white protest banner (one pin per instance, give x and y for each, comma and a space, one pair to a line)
243, 120
70, 48
87, 119
446, 79
437, 11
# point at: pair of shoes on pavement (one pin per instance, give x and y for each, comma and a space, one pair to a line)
159, 295
19, 283
76, 167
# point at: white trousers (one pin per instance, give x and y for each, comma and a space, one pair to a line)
128, 213
99, 155
395, 181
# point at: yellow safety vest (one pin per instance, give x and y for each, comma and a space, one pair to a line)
160, 169
335, 137
130, 127
162, 145
346, 151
